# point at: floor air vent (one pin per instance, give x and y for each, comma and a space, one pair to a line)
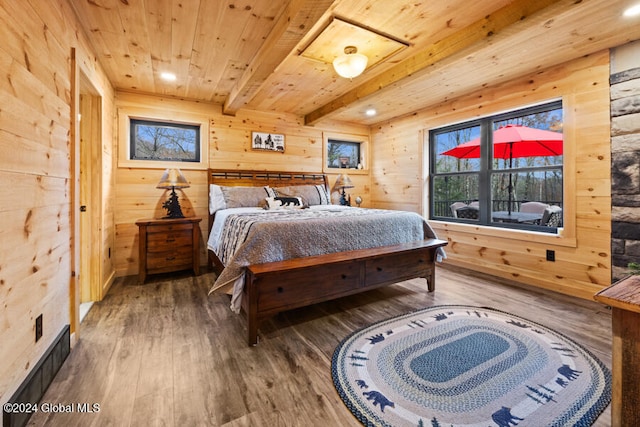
39, 379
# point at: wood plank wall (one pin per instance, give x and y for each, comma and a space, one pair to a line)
136, 194
583, 254
35, 163
35, 168
229, 148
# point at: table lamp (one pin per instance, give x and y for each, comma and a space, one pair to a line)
343, 182
173, 178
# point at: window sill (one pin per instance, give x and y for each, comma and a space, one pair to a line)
153, 164
560, 239
351, 171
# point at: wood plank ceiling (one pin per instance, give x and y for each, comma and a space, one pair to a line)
248, 53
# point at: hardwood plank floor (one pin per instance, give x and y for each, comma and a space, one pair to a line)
166, 354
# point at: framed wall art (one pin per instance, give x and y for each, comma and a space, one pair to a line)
267, 141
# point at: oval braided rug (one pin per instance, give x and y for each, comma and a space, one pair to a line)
468, 366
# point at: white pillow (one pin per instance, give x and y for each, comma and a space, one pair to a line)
216, 199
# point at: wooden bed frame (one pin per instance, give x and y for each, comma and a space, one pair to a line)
284, 285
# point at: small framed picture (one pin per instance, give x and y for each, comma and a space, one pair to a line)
267, 141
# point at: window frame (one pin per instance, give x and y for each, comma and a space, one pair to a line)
125, 114
195, 127
361, 140
486, 170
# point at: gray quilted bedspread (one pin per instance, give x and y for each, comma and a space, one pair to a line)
255, 238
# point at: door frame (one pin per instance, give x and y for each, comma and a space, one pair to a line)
86, 180
90, 140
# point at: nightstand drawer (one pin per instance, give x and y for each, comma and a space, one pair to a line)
168, 228
169, 259
158, 242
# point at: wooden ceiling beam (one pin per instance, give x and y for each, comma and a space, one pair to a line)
294, 23
416, 65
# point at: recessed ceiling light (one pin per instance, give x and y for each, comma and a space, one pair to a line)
371, 112
632, 11
170, 77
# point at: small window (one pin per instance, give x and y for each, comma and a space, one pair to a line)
345, 151
164, 141
343, 154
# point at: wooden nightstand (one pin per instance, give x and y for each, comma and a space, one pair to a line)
168, 245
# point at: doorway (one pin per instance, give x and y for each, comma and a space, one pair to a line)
90, 194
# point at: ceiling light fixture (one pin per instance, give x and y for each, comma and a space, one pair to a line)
632, 11
170, 77
371, 112
351, 64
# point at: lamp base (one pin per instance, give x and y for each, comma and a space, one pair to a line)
343, 199
174, 216
173, 206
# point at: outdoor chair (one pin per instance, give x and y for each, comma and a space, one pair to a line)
455, 206
533, 207
552, 217
468, 212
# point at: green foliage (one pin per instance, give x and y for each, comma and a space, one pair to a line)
634, 268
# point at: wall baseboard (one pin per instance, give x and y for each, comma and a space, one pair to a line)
107, 284
34, 386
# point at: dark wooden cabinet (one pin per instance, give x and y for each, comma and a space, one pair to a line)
168, 245
284, 285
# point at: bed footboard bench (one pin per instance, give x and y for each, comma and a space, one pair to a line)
284, 285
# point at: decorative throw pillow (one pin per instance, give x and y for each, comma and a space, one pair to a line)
325, 199
283, 203
216, 199
271, 192
311, 194
239, 197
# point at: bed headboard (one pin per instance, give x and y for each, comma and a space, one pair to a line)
248, 178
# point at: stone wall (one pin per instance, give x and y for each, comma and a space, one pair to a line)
625, 164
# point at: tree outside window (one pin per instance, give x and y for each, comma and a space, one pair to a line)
343, 154
164, 141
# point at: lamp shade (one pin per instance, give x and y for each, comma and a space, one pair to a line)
344, 181
173, 178
351, 63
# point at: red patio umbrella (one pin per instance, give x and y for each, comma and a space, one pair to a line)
511, 141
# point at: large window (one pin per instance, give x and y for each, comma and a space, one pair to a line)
504, 170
